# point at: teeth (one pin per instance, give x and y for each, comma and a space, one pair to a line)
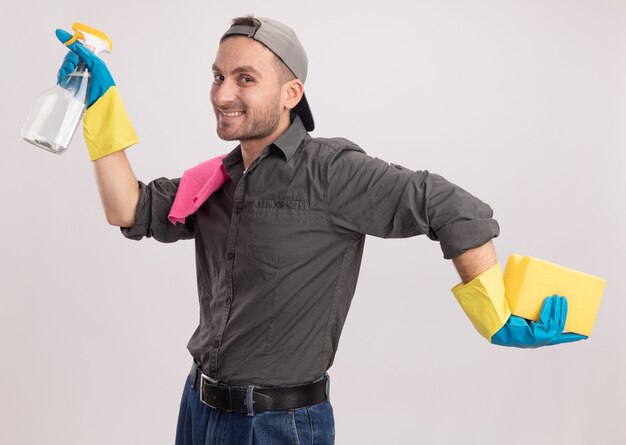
232, 113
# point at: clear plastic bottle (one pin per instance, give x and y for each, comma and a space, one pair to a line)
58, 111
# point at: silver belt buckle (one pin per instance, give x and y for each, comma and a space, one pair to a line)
204, 379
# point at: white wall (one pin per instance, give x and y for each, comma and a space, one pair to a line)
523, 103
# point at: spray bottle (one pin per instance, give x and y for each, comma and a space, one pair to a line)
58, 111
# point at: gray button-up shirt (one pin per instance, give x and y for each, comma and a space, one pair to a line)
279, 247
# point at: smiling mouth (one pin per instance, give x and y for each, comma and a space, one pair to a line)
232, 113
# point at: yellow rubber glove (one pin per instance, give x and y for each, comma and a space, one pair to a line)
483, 301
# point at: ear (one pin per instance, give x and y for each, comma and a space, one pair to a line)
293, 91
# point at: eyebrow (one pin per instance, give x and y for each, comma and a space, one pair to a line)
240, 69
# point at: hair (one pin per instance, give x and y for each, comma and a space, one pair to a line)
284, 72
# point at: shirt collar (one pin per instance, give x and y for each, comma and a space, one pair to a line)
233, 158
288, 143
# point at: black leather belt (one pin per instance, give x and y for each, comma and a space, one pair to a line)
253, 399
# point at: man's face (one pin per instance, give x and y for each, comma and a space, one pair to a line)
246, 93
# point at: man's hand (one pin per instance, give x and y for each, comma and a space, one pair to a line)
101, 79
548, 330
482, 297
106, 126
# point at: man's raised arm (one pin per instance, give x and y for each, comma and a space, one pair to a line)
108, 131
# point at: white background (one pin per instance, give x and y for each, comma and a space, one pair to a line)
522, 103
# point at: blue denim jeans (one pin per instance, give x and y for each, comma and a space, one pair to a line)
199, 424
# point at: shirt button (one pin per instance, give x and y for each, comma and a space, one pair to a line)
230, 255
237, 209
216, 343
280, 204
228, 300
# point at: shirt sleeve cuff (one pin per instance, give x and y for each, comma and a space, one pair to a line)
460, 236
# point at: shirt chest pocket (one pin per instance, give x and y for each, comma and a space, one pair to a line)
280, 231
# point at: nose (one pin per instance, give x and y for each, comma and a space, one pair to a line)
223, 93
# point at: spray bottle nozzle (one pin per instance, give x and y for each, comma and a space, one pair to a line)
94, 39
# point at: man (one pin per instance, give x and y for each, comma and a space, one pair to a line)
279, 240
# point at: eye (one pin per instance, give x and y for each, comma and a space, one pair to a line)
247, 79
218, 78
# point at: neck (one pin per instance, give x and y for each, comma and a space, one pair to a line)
252, 148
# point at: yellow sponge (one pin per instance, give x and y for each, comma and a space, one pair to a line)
528, 281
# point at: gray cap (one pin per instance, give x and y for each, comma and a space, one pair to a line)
283, 42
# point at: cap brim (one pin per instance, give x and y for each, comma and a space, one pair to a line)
303, 110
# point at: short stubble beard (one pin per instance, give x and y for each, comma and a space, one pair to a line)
262, 124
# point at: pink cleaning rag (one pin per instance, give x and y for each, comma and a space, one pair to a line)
196, 185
